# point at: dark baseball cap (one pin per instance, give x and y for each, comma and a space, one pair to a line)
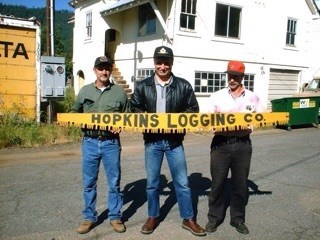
103, 60
163, 52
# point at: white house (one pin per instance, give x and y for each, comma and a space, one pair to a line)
275, 39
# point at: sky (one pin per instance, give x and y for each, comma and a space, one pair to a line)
59, 4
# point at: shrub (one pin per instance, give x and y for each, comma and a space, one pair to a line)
66, 104
17, 131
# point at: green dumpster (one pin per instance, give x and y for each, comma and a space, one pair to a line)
302, 110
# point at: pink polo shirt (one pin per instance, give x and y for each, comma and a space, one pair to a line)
223, 102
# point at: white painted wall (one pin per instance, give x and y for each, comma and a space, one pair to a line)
262, 42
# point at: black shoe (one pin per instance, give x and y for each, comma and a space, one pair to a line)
212, 227
240, 227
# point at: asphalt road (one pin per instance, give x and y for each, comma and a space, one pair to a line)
41, 190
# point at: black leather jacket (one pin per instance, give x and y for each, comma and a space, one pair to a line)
180, 99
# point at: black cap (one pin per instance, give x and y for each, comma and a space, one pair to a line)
163, 52
103, 60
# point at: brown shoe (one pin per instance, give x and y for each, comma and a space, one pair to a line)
193, 227
150, 225
118, 226
85, 227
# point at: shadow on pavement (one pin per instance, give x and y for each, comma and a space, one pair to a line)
252, 189
135, 194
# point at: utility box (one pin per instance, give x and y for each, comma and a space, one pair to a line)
302, 110
53, 78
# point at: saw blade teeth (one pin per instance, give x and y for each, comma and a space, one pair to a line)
172, 122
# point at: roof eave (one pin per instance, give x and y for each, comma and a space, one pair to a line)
313, 7
123, 7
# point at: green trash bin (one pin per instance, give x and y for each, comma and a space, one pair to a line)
302, 110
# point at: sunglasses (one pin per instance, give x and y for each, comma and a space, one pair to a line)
160, 61
236, 77
103, 67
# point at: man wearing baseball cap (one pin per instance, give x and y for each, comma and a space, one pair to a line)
231, 150
101, 146
163, 92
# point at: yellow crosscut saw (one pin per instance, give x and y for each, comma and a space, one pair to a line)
172, 122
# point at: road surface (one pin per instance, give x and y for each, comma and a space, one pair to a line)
41, 190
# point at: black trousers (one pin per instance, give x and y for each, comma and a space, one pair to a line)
235, 154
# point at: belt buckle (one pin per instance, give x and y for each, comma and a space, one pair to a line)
232, 140
101, 138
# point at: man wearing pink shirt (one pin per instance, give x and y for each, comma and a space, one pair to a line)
231, 150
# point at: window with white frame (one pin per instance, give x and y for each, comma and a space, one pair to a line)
248, 81
143, 73
209, 82
227, 21
291, 32
89, 25
147, 20
188, 14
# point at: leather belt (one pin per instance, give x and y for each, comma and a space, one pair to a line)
102, 138
219, 140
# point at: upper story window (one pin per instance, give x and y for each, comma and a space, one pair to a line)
147, 20
291, 32
188, 14
89, 25
227, 21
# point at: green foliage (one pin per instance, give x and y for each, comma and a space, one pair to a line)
17, 131
62, 33
66, 104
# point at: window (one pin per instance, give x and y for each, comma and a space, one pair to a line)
209, 82
143, 73
227, 21
291, 32
147, 20
188, 14
248, 81
89, 24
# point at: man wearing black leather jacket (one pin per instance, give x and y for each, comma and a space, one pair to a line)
164, 92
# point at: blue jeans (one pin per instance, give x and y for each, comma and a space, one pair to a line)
107, 151
154, 153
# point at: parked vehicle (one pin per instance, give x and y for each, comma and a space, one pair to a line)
313, 88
